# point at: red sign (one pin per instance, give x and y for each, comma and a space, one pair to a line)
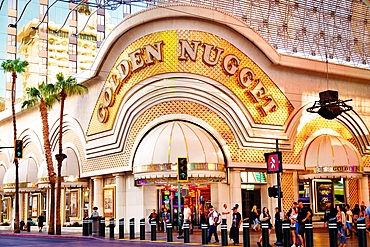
274, 163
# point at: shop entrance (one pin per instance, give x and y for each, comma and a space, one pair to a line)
250, 198
198, 198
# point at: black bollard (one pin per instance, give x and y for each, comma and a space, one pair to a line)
132, 228
204, 233
309, 233
333, 233
102, 227
186, 233
111, 228
85, 226
361, 232
121, 228
224, 234
265, 234
279, 232
89, 226
169, 232
29, 223
142, 229
153, 230
246, 234
286, 233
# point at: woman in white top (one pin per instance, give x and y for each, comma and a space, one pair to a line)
293, 220
349, 221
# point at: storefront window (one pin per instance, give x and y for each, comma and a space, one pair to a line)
251, 191
339, 193
304, 192
197, 197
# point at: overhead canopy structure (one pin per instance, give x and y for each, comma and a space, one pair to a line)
27, 175
157, 153
329, 156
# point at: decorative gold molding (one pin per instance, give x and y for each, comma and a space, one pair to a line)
234, 69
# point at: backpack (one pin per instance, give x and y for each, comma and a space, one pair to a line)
218, 218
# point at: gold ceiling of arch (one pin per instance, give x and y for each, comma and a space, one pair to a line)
260, 85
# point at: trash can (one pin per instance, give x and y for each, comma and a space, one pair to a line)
95, 222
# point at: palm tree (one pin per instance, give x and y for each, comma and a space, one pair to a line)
44, 97
63, 87
15, 66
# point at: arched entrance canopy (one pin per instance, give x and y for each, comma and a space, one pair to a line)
329, 156
157, 153
27, 174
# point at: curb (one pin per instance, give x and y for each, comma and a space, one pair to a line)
48, 236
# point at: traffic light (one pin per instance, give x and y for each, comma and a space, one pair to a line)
273, 192
18, 149
182, 169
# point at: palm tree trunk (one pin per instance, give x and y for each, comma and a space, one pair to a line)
60, 157
16, 218
49, 162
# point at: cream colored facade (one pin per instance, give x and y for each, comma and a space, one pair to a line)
218, 76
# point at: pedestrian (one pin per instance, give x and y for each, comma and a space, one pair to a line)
153, 217
224, 214
186, 219
95, 212
356, 215
187, 216
341, 223
265, 217
235, 225
212, 219
293, 222
304, 214
279, 215
166, 217
330, 213
349, 214
367, 216
40, 222
254, 218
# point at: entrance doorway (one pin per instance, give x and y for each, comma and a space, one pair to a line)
250, 198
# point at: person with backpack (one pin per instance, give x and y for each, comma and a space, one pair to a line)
235, 225
213, 218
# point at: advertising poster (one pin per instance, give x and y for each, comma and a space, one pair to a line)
109, 202
35, 206
74, 204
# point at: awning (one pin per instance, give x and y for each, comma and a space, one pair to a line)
27, 174
329, 156
156, 154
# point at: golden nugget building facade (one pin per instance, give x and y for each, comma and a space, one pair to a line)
166, 83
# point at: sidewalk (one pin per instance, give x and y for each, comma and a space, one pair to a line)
321, 237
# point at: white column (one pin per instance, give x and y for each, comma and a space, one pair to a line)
295, 185
120, 197
235, 188
272, 202
135, 202
22, 206
98, 194
364, 189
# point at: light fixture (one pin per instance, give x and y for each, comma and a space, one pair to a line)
329, 106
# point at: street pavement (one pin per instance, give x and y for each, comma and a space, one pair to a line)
75, 239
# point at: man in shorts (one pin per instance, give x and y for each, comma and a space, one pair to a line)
304, 214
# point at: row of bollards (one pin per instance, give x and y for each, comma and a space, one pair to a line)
96, 227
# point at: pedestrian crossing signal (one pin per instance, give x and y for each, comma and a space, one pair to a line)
18, 149
182, 169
